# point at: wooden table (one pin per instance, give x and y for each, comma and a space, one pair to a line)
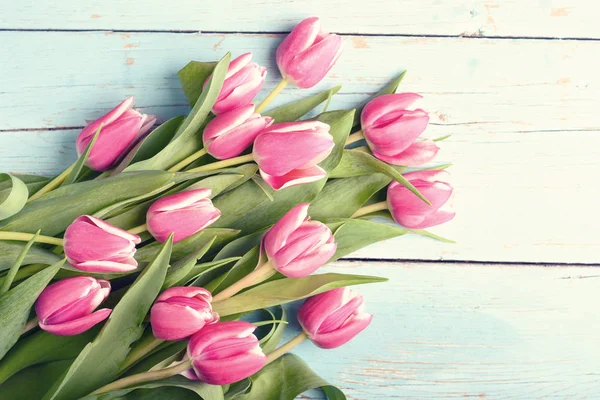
510, 311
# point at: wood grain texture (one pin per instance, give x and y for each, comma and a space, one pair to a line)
470, 331
523, 115
506, 18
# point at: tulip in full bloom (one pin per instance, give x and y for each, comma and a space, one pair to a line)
224, 353
308, 53
410, 211
391, 130
332, 318
93, 245
232, 132
122, 127
66, 308
182, 214
288, 153
243, 81
179, 312
297, 246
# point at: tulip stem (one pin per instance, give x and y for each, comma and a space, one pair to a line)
25, 237
139, 353
276, 90
146, 377
260, 274
32, 323
53, 184
371, 208
187, 161
223, 164
138, 229
355, 137
286, 347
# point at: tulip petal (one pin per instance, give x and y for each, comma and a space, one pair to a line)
276, 237
184, 291
300, 38
226, 371
107, 266
310, 235
174, 321
217, 332
180, 200
309, 263
402, 201
396, 136
64, 291
223, 123
295, 177
380, 106
182, 223
113, 230
78, 308
416, 154
431, 175
243, 93
90, 130
316, 308
77, 326
344, 334
238, 139
425, 221
310, 66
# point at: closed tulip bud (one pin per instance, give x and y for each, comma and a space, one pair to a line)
391, 130
410, 211
308, 53
179, 312
182, 214
232, 132
66, 308
297, 246
333, 318
93, 245
242, 83
224, 353
122, 127
288, 153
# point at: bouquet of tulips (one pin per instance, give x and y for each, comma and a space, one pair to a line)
156, 266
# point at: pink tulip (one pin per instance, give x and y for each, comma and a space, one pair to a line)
297, 246
66, 308
224, 353
288, 153
232, 132
93, 245
308, 53
182, 214
122, 127
410, 211
333, 318
179, 312
391, 130
242, 82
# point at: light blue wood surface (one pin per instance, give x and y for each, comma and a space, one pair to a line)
524, 117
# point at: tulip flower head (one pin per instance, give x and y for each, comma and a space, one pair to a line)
288, 153
179, 312
297, 246
242, 83
333, 318
66, 308
410, 211
121, 129
391, 130
93, 245
182, 214
232, 132
308, 53
224, 353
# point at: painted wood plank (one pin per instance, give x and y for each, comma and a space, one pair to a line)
523, 114
443, 331
548, 18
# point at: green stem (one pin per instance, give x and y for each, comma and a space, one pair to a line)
53, 184
258, 275
263, 104
371, 208
355, 137
146, 377
32, 323
286, 347
26, 272
138, 353
223, 164
25, 237
138, 229
187, 161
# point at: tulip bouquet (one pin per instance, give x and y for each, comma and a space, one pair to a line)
156, 266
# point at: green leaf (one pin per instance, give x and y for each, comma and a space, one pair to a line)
192, 78
240, 246
188, 138
285, 379
341, 198
33, 182
340, 123
390, 88
285, 290
241, 268
16, 304
156, 358
53, 212
10, 276
99, 361
203, 273
226, 179
294, 110
80, 163
357, 162
14, 198
271, 341
9, 251
33, 382
431, 235
180, 269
